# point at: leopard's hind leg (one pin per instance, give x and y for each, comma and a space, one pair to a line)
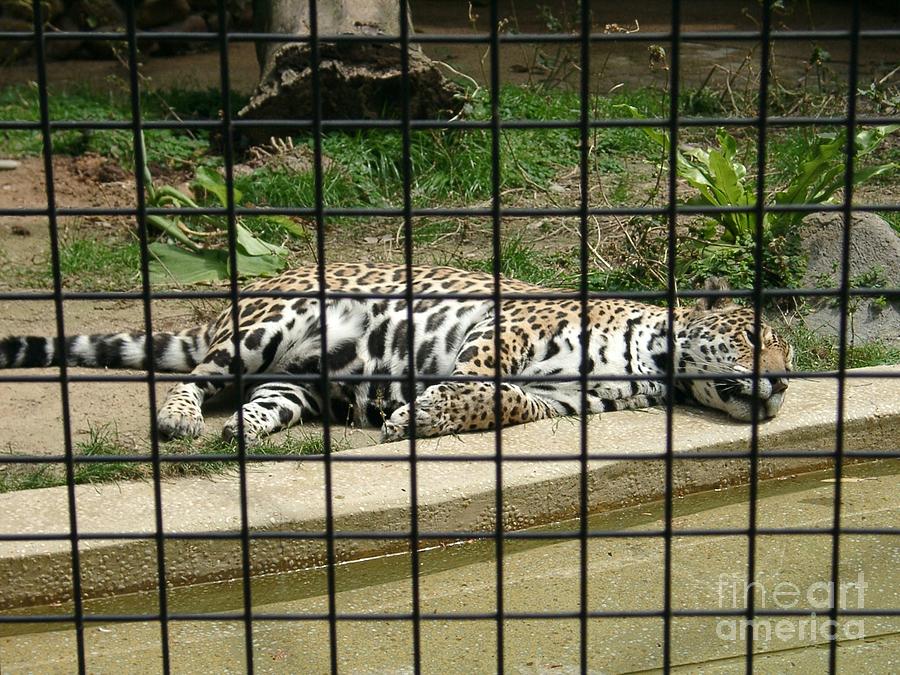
454, 407
181, 415
274, 406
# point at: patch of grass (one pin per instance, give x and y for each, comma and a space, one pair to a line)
279, 187
97, 264
813, 352
88, 103
85, 264
892, 217
104, 442
519, 260
453, 166
428, 231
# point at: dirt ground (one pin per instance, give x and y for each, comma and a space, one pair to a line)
31, 412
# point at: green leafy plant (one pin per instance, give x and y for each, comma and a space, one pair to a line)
721, 179
822, 174
726, 241
195, 260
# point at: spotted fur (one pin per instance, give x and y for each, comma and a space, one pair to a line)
369, 338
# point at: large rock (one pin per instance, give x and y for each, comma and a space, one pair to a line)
874, 259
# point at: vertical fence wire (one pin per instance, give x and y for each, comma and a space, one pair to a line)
583, 261
140, 161
407, 176
324, 379
843, 302
236, 339
757, 300
61, 346
671, 299
496, 250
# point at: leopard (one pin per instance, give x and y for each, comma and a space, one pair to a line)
452, 361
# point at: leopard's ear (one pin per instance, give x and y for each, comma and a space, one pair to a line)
717, 301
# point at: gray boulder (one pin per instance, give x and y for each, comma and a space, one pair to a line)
874, 260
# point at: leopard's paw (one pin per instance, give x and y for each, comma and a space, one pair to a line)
251, 433
180, 420
397, 427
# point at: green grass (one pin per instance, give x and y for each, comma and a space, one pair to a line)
104, 442
96, 264
518, 260
427, 230
85, 264
88, 103
813, 352
364, 168
892, 217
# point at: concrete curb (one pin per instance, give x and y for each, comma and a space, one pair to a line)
454, 496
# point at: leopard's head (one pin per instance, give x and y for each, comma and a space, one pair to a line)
718, 338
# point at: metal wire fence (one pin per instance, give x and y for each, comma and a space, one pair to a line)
583, 39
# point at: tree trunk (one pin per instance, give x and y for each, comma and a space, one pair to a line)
358, 79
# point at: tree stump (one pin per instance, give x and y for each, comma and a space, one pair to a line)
358, 79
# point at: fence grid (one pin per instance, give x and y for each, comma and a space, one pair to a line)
416, 535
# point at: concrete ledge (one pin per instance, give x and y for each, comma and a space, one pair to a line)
452, 495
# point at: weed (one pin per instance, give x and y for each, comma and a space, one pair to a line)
812, 352
518, 260
725, 243
105, 442
86, 103
199, 259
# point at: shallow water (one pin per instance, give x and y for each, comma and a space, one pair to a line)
624, 574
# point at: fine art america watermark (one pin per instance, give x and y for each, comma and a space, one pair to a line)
733, 591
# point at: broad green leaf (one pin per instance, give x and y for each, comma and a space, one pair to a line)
727, 143
868, 139
176, 197
171, 228
252, 246
171, 263
289, 226
694, 176
259, 265
657, 136
866, 173
725, 179
213, 183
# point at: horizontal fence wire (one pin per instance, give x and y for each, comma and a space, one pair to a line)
462, 536
485, 38
413, 537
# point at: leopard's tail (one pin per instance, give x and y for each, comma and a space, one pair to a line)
173, 352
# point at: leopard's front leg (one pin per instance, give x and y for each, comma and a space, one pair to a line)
454, 407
